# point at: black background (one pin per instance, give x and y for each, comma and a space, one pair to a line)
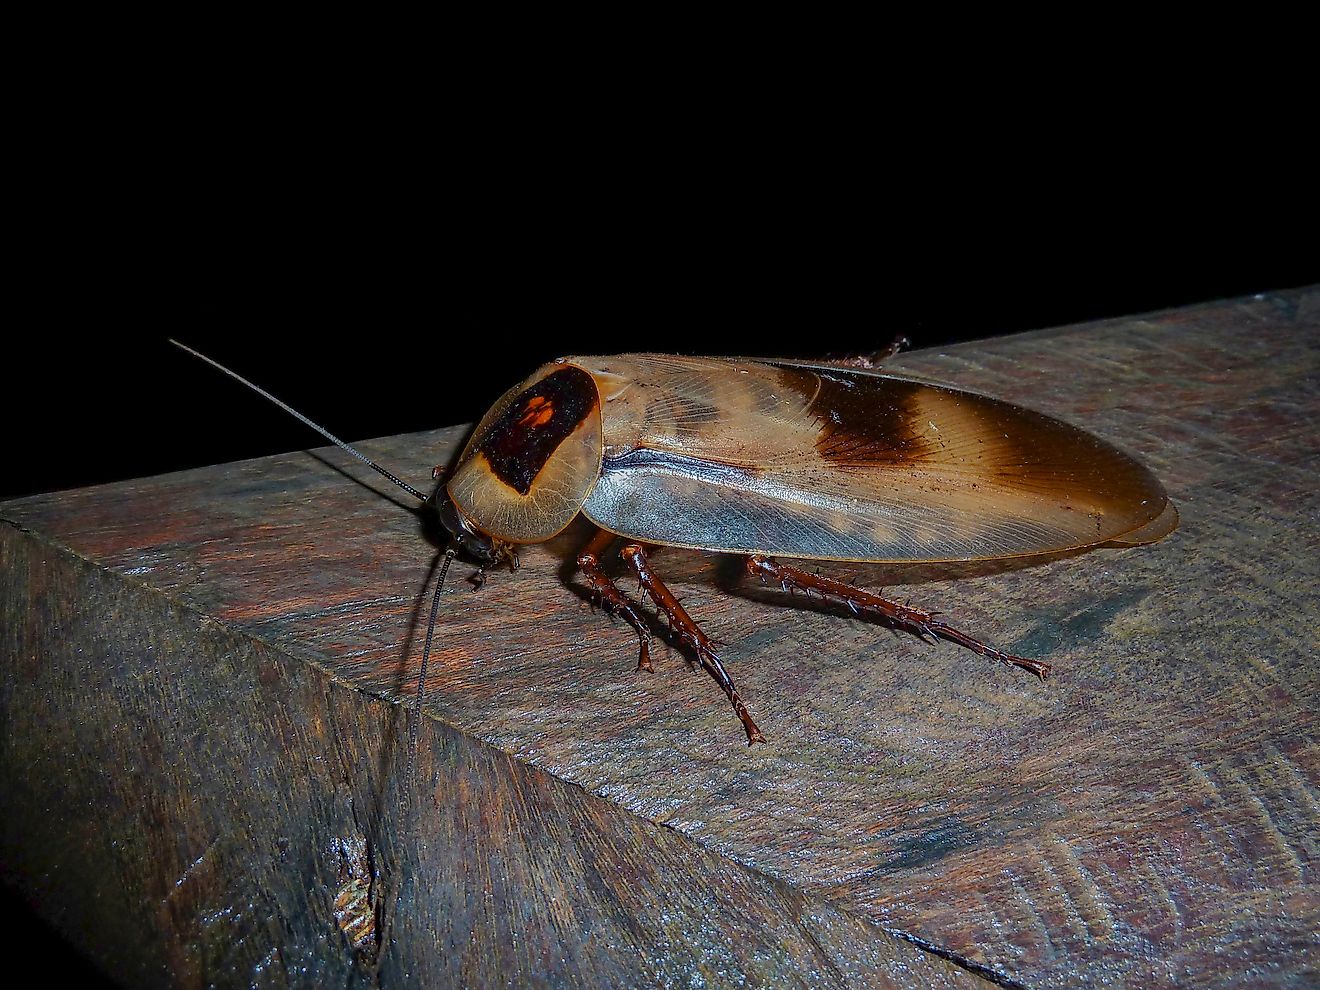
388, 261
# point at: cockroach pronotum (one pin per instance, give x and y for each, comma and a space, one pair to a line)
775, 461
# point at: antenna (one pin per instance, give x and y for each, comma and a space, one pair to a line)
303, 419
449, 553
414, 725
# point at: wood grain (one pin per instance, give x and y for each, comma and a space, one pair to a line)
195, 807
1145, 818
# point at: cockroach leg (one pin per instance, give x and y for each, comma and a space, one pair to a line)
611, 598
505, 553
859, 601
690, 633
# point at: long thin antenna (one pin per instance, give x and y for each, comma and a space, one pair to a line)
426, 658
301, 418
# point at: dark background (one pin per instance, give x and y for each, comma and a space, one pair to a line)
390, 260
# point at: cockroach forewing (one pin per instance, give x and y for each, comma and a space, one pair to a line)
1154, 531
844, 464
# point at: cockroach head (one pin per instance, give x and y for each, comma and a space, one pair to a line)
471, 540
476, 544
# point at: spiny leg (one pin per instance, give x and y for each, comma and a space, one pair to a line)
611, 598
913, 620
691, 634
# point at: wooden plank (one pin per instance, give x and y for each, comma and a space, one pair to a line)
196, 807
1146, 817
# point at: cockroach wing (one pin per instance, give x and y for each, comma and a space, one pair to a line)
829, 463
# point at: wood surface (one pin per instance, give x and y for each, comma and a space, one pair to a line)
202, 760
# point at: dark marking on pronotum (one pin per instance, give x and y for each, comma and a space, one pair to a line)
519, 443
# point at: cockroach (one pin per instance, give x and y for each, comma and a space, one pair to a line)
777, 461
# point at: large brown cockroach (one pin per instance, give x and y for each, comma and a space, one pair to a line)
779, 459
